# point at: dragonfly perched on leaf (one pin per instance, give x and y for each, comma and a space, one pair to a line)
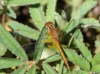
54, 34
48, 28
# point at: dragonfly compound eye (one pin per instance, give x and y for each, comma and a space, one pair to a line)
49, 24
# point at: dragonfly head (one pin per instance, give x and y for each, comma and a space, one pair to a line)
49, 24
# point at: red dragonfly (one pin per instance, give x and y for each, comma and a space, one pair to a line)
54, 35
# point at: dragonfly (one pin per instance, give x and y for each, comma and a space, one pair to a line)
54, 34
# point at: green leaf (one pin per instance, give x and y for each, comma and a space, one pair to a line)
77, 35
61, 67
37, 15
44, 2
89, 21
11, 13
96, 69
24, 30
77, 59
22, 2
3, 49
40, 44
64, 15
20, 70
50, 10
60, 21
96, 59
53, 58
10, 62
78, 72
65, 70
32, 70
83, 49
82, 72
84, 8
48, 69
11, 43
72, 24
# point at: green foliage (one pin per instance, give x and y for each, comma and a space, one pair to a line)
11, 13
3, 49
78, 72
62, 23
96, 69
84, 8
82, 59
10, 42
53, 58
37, 15
24, 30
96, 59
20, 70
77, 35
90, 23
39, 45
76, 59
32, 70
71, 25
50, 10
23, 2
84, 50
61, 67
48, 69
10, 62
